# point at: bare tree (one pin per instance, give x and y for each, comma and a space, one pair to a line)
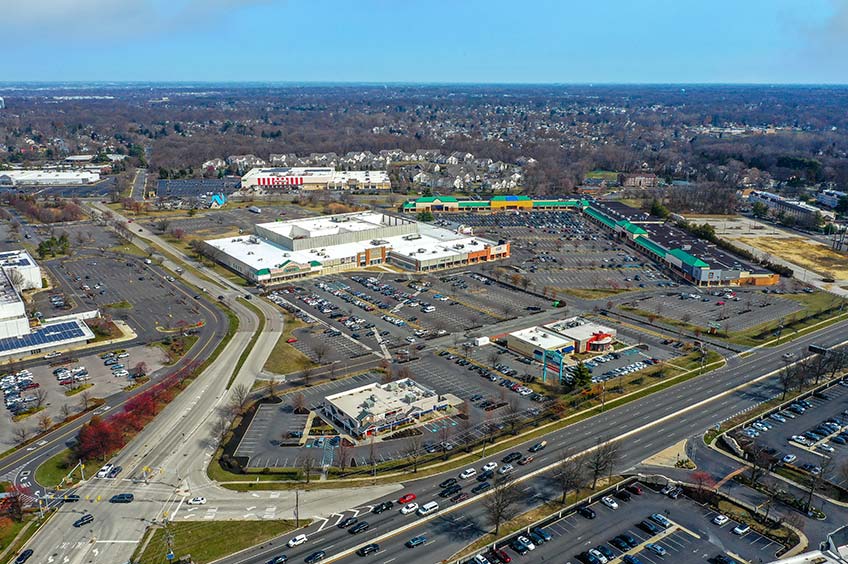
270, 391
44, 423
759, 461
299, 403
444, 435
307, 465
220, 428
306, 375
500, 502
787, 378
65, 411
40, 397
413, 451
85, 400
815, 480
21, 434
513, 409
320, 349
343, 454
598, 462
239, 397
571, 474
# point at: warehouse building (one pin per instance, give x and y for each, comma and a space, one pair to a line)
803, 213
261, 181
280, 251
378, 408
16, 178
686, 257
18, 337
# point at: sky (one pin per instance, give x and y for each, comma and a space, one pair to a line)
445, 41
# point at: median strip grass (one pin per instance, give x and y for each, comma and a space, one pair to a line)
243, 357
207, 541
52, 471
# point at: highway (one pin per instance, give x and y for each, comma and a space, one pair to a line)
166, 462
644, 427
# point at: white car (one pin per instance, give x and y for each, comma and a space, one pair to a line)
103, 472
526, 542
826, 447
197, 501
721, 519
598, 556
489, 466
298, 540
789, 459
609, 502
409, 508
469, 473
123, 355
506, 469
741, 529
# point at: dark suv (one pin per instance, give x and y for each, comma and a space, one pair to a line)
380, 507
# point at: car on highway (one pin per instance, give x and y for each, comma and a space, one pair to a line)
448, 483
415, 541
468, 473
609, 502
70, 498
409, 508
23, 556
315, 557
462, 496
479, 488
720, 519
538, 446
360, 527
197, 501
406, 498
281, 559
506, 469
297, 540
114, 471
368, 549
84, 520
122, 498
104, 471
525, 460
490, 466
345, 523
380, 507
511, 457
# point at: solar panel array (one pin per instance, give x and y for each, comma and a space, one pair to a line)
44, 336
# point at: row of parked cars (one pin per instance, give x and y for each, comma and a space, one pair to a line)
14, 388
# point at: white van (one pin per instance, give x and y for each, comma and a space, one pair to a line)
470, 472
103, 472
428, 508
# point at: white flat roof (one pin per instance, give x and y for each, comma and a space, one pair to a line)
542, 338
578, 331
326, 225
378, 399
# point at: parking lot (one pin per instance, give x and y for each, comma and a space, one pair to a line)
49, 389
125, 288
218, 223
689, 537
735, 310
818, 425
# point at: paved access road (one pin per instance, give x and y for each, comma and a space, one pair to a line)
645, 427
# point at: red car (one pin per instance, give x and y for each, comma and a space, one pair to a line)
407, 498
500, 556
635, 488
291, 340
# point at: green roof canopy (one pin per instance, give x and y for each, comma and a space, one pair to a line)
631, 227
688, 259
557, 203
473, 204
431, 199
653, 247
600, 217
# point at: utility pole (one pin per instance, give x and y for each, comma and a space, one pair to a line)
297, 508
169, 540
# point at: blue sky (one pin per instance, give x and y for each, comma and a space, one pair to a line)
565, 41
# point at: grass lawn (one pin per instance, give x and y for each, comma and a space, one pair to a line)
285, 358
608, 175
592, 293
51, 472
78, 389
805, 253
10, 531
253, 338
128, 249
123, 304
209, 541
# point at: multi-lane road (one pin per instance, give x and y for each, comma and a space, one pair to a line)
642, 428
